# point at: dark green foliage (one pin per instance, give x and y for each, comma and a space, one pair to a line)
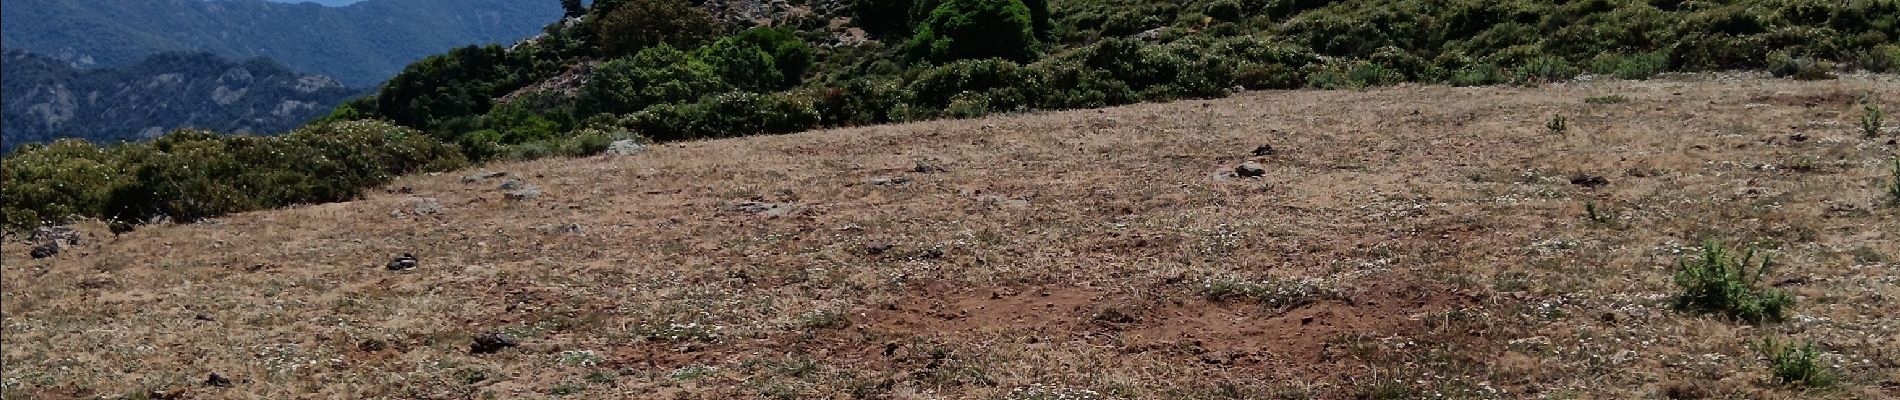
191, 175
634, 25
658, 75
726, 115
760, 59
1796, 365
976, 29
865, 101
895, 20
462, 83
1721, 282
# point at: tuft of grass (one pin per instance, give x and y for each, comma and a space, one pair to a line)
1611, 99
1719, 281
1893, 184
1870, 121
1557, 125
1796, 365
1597, 215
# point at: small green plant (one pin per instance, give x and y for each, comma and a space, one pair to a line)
1719, 281
1273, 292
1557, 125
1597, 215
1893, 184
1611, 99
1796, 365
1870, 122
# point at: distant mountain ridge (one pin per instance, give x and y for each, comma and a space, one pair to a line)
46, 99
360, 44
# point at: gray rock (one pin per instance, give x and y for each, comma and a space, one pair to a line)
404, 263
526, 193
483, 176
425, 206
565, 229
890, 181
515, 184
1250, 169
626, 148
45, 250
491, 342
55, 233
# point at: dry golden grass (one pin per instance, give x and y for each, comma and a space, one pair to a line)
1405, 242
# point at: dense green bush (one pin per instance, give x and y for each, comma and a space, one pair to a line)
976, 29
760, 59
462, 83
726, 115
657, 75
189, 175
634, 25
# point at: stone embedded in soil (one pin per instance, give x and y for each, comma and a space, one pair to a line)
404, 263
1264, 150
425, 206
216, 380
1589, 181
45, 250
55, 233
515, 184
527, 193
625, 148
877, 248
491, 342
1250, 169
889, 181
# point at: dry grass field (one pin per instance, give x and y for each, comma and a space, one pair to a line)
1404, 242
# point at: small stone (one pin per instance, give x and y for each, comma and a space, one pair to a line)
404, 263
1798, 137
528, 193
877, 248
890, 181
1589, 181
425, 206
626, 148
1250, 169
491, 342
216, 380
1264, 150
515, 184
928, 167
45, 250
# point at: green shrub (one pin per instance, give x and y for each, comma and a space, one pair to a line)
936, 87
743, 64
1893, 184
976, 29
1783, 65
1796, 365
462, 83
1636, 66
657, 75
1870, 121
636, 25
1721, 282
50, 183
865, 101
1882, 58
891, 18
726, 115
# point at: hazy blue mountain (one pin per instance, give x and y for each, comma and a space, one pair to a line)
360, 44
330, 3
43, 98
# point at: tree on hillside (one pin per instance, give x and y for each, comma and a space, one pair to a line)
638, 24
974, 29
574, 8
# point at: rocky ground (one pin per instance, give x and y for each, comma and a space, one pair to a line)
1402, 242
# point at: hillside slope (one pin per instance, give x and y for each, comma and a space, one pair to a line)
46, 99
1404, 242
361, 44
